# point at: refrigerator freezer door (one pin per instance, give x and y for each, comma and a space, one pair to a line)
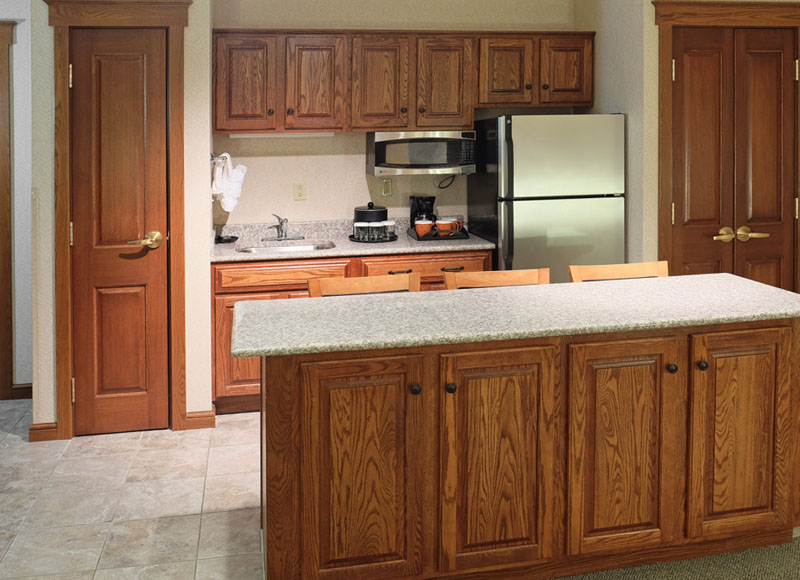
557, 233
566, 155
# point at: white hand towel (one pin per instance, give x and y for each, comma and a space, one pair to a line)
227, 181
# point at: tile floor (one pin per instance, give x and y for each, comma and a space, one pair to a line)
146, 506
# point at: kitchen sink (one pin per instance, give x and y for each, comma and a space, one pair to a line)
279, 247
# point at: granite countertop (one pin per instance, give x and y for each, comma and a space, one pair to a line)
337, 232
375, 321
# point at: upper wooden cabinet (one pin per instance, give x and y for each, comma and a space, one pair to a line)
506, 71
380, 74
245, 82
444, 81
565, 70
273, 81
316, 82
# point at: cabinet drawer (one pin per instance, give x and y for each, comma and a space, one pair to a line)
429, 266
288, 275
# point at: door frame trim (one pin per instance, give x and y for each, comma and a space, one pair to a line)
670, 13
172, 15
7, 193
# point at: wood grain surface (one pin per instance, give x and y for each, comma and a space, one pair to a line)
380, 81
6, 268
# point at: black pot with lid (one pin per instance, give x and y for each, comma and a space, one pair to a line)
370, 213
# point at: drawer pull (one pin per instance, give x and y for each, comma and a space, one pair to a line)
400, 271
457, 269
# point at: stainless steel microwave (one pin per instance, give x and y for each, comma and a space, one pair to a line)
421, 153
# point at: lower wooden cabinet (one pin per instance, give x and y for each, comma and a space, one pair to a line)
361, 447
740, 433
498, 450
624, 426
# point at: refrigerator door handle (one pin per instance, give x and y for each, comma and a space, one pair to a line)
505, 235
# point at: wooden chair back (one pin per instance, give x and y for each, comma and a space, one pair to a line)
455, 280
363, 285
619, 271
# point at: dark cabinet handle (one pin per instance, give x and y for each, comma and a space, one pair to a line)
422, 109
458, 269
415, 389
545, 86
290, 112
271, 112
401, 271
450, 388
404, 109
672, 369
528, 86
702, 365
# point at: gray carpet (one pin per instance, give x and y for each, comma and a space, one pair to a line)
771, 563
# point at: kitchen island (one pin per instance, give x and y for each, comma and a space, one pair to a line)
525, 432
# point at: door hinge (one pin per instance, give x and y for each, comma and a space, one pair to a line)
797, 69
797, 208
71, 239
70, 76
672, 218
673, 72
73, 389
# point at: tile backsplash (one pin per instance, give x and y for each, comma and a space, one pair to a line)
334, 171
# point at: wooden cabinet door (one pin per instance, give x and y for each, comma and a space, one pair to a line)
566, 70
498, 457
245, 82
702, 137
444, 81
380, 81
362, 466
765, 158
316, 82
506, 71
740, 433
234, 376
624, 425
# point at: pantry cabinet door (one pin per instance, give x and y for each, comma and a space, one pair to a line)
499, 462
740, 433
380, 81
444, 81
506, 71
362, 436
624, 454
316, 82
566, 70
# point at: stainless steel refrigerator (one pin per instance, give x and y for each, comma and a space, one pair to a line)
549, 190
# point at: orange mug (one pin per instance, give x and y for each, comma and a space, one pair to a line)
449, 224
423, 227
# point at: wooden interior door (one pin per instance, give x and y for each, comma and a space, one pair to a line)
740, 433
119, 194
702, 168
380, 81
444, 82
316, 82
765, 155
498, 457
362, 462
624, 433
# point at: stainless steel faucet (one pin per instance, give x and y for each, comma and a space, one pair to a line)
281, 226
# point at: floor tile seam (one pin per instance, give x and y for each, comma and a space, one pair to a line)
202, 509
28, 512
114, 513
109, 521
146, 565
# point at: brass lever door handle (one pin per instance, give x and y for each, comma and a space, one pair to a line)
743, 234
725, 234
151, 240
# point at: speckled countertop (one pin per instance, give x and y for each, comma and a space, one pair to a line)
337, 232
342, 323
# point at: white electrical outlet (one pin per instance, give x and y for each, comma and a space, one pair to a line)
386, 187
300, 192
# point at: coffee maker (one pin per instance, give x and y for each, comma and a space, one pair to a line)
422, 208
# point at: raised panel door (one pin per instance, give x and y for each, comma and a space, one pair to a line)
316, 82
444, 82
702, 129
380, 95
499, 462
119, 194
361, 480
506, 71
739, 433
624, 401
566, 70
245, 83
765, 154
